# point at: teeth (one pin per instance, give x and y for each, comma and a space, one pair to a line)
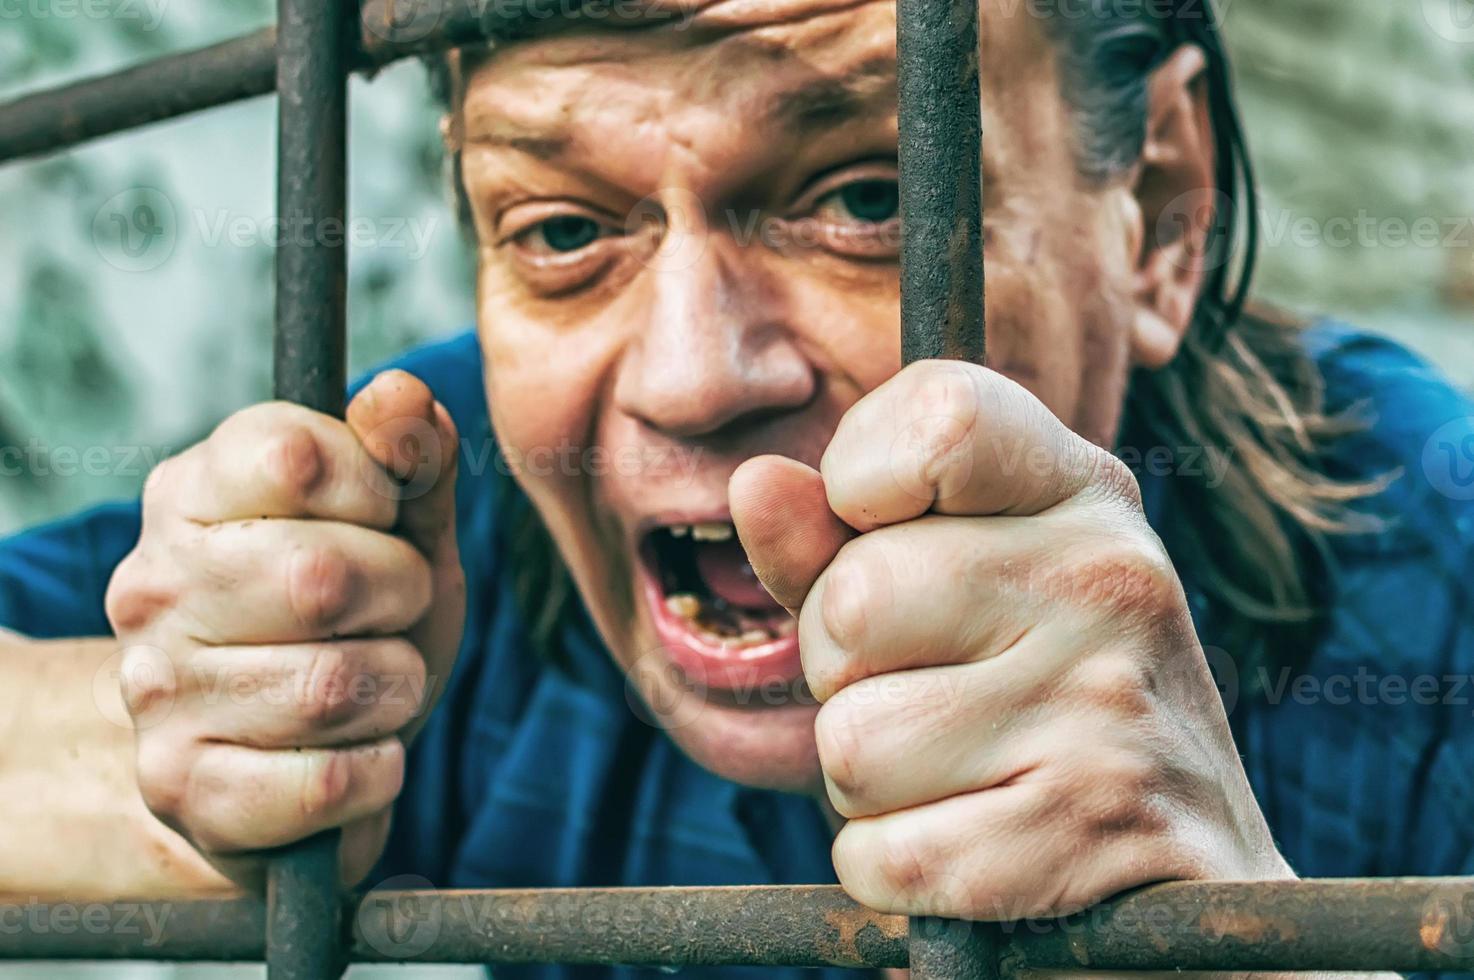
755, 636
788, 627
711, 532
683, 604
679, 530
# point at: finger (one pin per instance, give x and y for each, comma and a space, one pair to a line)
412, 435
1006, 854
308, 695
909, 596
911, 737
238, 798
359, 849
285, 581
409, 434
274, 460
954, 438
785, 525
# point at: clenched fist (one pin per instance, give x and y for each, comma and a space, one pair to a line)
1017, 717
292, 607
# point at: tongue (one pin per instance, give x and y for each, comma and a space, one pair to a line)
728, 574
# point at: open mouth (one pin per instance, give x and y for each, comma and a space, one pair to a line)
714, 617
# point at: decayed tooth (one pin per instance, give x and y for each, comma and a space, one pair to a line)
679, 530
711, 532
683, 604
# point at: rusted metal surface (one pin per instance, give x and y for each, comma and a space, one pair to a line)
304, 910
312, 196
947, 949
1405, 925
940, 155
941, 180
797, 926
163, 89
245, 67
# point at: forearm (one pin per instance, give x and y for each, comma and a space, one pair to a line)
76, 826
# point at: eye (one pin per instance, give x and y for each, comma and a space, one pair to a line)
561, 235
871, 202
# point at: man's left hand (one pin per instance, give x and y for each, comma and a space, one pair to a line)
1018, 719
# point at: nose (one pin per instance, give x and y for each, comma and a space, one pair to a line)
717, 347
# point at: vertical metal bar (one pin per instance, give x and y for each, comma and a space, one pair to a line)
312, 203
945, 949
941, 180
941, 151
304, 927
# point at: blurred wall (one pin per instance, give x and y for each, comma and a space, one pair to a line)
135, 294
1360, 115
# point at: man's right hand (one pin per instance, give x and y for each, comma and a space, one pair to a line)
294, 604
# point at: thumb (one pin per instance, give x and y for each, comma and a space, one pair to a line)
410, 434
405, 430
783, 519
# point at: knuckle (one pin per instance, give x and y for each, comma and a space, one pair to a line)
1115, 478
839, 735
136, 595
329, 686
1117, 684
162, 772
858, 581
327, 781
906, 863
319, 585
292, 463
946, 406
1128, 574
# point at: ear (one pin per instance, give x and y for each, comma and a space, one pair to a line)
1175, 196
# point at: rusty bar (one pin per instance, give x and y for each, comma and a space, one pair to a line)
245, 67
672, 927
940, 155
949, 949
941, 180
1402, 925
304, 911
156, 90
1391, 924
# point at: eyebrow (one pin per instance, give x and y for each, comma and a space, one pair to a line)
817, 103
834, 99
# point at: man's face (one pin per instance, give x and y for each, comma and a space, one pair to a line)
688, 257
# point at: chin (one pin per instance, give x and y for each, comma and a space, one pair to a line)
763, 737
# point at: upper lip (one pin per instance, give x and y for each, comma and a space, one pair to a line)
666, 518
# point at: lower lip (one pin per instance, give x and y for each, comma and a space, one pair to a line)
716, 667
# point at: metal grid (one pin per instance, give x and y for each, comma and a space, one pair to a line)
305, 929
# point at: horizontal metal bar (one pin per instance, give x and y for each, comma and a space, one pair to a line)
1404, 925
242, 68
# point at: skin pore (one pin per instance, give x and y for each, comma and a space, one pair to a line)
687, 242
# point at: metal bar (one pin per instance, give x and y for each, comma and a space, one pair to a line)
940, 155
304, 925
941, 180
949, 948
1402, 925
765, 926
242, 68
156, 90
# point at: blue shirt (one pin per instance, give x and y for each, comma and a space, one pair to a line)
532, 776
